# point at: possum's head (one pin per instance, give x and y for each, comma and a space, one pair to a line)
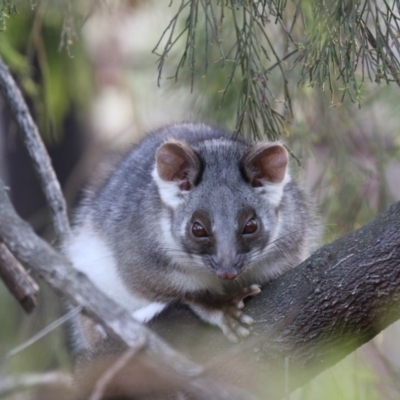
223, 196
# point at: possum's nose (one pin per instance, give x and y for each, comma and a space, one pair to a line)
227, 274
225, 261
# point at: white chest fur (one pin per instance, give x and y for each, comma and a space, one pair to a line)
90, 254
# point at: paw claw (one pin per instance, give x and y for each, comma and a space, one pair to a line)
255, 289
228, 313
242, 331
246, 319
232, 337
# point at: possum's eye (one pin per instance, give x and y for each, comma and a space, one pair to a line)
250, 227
198, 230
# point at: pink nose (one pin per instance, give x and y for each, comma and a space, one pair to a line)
225, 275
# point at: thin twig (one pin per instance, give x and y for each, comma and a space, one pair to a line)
102, 383
37, 151
17, 280
282, 59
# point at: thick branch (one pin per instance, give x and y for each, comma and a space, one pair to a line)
37, 151
307, 320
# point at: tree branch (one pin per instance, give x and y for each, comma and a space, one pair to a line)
307, 320
17, 280
37, 151
102, 383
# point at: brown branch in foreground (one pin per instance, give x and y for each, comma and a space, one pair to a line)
102, 383
20, 284
54, 379
37, 151
62, 277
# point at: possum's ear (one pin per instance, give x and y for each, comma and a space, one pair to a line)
178, 163
266, 163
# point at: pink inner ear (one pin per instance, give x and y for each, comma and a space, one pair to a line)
267, 163
176, 161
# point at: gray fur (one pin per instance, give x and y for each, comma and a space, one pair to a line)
127, 212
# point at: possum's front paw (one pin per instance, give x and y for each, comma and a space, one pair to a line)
226, 312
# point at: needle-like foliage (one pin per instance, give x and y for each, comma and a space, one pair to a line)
7, 7
335, 42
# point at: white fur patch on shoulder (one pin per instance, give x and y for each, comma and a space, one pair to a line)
90, 254
273, 192
147, 313
169, 192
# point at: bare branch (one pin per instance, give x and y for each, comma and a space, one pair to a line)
105, 379
37, 151
17, 280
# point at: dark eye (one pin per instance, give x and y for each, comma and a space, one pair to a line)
198, 230
251, 226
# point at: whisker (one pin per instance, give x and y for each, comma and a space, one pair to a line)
291, 233
257, 254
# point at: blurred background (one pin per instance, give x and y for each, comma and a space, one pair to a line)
94, 84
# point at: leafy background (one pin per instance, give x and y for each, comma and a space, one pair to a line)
93, 84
